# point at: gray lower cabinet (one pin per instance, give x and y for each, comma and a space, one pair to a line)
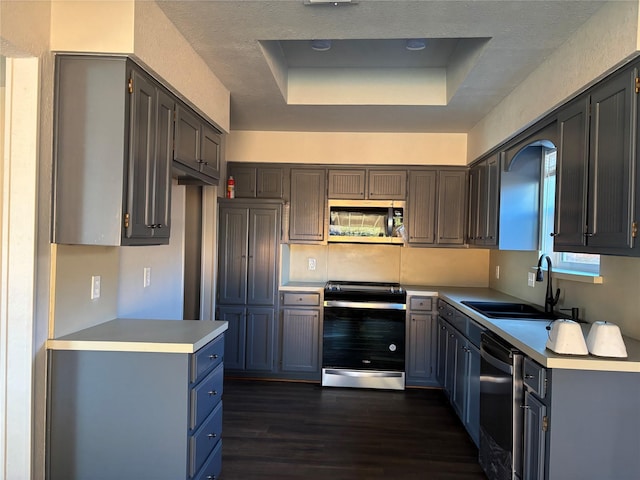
421, 342
300, 331
580, 414
436, 207
458, 365
307, 205
595, 169
112, 153
133, 415
248, 240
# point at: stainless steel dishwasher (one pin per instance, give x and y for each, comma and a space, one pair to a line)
501, 418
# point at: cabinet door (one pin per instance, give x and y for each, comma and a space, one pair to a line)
347, 184
245, 181
420, 354
210, 151
571, 176
611, 163
300, 340
534, 438
232, 255
306, 216
441, 367
492, 204
187, 138
235, 336
451, 206
263, 245
162, 172
269, 182
460, 379
472, 415
474, 205
451, 367
141, 159
260, 339
387, 185
422, 206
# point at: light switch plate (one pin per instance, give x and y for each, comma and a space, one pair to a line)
146, 273
531, 279
95, 287
497, 272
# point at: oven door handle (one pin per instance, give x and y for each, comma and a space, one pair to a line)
370, 305
491, 360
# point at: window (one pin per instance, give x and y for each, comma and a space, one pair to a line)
572, 262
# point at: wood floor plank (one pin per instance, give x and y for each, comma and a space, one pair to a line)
284, 430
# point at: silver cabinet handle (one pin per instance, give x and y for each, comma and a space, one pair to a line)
212, 393
529, 377
213, 357
212, 435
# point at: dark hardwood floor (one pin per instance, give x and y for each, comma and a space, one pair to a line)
280, 430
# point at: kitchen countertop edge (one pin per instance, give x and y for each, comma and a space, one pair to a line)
142, 335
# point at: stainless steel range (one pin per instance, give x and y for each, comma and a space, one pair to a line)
363, 340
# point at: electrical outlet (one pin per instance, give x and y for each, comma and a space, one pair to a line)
95, 287
311, 263
146, 274
497, 272
531, 279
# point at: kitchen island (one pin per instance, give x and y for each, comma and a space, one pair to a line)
133, 399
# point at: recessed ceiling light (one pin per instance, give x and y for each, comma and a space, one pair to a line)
320, 45
414, 44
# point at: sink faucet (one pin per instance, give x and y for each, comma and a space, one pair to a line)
550, 300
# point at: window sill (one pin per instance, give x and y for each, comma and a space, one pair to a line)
572, 276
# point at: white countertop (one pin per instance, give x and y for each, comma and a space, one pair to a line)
134, 335
530, 336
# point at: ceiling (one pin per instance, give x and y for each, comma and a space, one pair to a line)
476, 53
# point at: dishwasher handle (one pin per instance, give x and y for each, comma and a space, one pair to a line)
496, 362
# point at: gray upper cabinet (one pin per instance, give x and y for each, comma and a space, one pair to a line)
371, 184
113, 138
483, 202
436, 206
197, 145
595, 169
308, 205
253, 181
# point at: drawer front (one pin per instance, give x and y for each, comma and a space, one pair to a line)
207, 358
474, 330
445, 310
212, 467
205, 396
460, 321
307, 299
203, 441
421, 304
534, 377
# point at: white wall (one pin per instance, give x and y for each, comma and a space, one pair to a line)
344, 148
604, 42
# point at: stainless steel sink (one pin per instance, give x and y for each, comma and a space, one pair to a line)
522, 311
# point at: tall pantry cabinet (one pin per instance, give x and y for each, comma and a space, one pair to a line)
248, 237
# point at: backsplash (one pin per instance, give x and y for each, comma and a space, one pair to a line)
616, 300
410, 266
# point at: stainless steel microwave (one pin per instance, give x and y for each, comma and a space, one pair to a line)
366, 221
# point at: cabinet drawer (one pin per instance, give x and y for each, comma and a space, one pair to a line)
445, 310
205, 395
421, 303
202, 442
534, 377
207, 358
301, 299
474, 331
212, 467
